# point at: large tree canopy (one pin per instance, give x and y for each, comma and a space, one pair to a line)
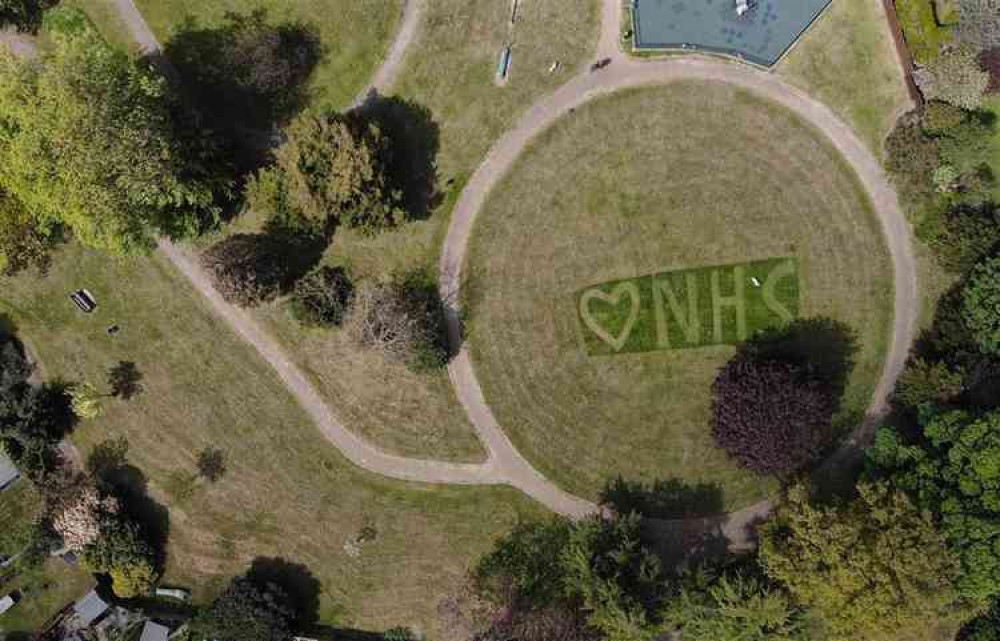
90, 139
954, 470
246, 612
875, 569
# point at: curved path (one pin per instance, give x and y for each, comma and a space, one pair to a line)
504, 463
622, 73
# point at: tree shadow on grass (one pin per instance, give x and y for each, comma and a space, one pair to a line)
823, 348
247, 75
416, 140
296, 581
110, 467
663, 499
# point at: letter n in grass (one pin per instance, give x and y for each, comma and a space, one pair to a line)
720, 305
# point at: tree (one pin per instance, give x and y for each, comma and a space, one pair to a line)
876, 568
247, 269
927, 382
525, 564
736, 607
322, 297
979, 24
615, 578
122, 551
911, 156
956, 77
951, 470
403, 320
26, 15
981, 305
124, 379
246, 612
211, 464
22, 243
768, 416
85, 400
93, 140
79, 518
330, 170
960, 235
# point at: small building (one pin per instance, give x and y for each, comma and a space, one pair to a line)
154, 632
8, 473
90, 608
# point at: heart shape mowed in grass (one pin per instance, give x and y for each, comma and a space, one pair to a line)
612, 298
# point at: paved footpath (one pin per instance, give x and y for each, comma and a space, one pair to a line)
504, 464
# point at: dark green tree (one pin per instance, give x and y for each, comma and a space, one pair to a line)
246, 612
322, 297
981, 305
876, 568
925, 382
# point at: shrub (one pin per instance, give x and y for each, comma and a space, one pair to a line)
956, 77
911, 159
924, 37
247, 269
981, 305
768, 416
927, 382
960, 235
330, 170
322, 297
403, 320
979, 24
941, 117
247, 612
26, 15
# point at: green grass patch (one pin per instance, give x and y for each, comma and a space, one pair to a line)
287, 491
355, 33
924, 34
848, 60
45, 590
722, 305
20, 507
649, 181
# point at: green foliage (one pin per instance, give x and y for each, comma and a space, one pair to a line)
246, 612
525, 564
92, 140
924, 37
941, 117
22, 243
321, 298
953, 471
331, 170
26, 15
85, 401
876, 568
927, 382
955, 76
985, 627
735, 607
960, 235
123, 552
399, 634
911, 158
981, 305
618, 581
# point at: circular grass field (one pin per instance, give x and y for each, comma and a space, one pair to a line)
651, 182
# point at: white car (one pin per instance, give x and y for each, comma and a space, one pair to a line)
7, 603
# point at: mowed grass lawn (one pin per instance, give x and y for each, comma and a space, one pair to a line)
449, 70
848, 60
688, 175
355, 33
287, 492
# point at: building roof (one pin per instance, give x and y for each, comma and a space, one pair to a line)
6, 603
90, 608
154, 632
8, 473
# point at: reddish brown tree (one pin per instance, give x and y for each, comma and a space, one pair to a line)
769, 416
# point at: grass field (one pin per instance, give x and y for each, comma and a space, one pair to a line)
848, 60
684, 176
355, 33
287, 493
19, 507
449, 70
45, 591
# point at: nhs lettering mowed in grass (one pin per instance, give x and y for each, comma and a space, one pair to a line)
687, 308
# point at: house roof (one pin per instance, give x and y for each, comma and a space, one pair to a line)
6, 603
90, 608
8, 473
154, 632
